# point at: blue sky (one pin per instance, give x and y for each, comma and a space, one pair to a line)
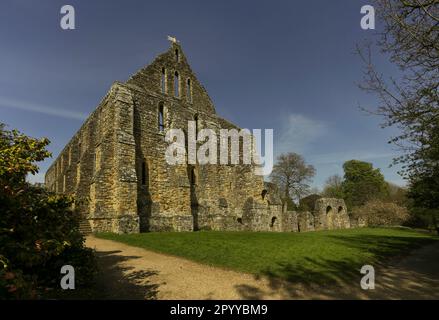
286, 65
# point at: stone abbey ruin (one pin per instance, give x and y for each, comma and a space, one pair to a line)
115, 162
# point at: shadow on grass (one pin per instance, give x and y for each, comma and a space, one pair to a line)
341, 278
115, 281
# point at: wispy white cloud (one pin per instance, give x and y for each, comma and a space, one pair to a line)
297, 132
29, 106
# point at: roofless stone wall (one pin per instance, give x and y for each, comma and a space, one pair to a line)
115, 164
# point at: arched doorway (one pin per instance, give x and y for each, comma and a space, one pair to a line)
273, 222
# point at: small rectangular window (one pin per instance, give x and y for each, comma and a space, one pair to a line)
161, 117
176, 84
189, 90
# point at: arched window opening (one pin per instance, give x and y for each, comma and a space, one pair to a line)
273, 221
196, 125
161, 118
340, 209
328, 209
189, 90
264, 193
239, 220
177, 55
163, 80
176, 84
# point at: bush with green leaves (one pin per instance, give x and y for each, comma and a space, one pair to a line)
379, 213
39, 230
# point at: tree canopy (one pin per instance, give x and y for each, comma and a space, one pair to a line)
362, 183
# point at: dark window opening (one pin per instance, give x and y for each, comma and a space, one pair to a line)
176, 84
193, 178
263, 194
196, 125
189, 90
161, 118
239, 220
328, 209
177, 55
340, 209
273, 221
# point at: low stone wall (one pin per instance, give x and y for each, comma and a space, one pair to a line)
331, 213
305, 221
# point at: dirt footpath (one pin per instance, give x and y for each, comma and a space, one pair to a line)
134, 273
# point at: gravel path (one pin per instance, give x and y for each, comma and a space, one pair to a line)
133, 273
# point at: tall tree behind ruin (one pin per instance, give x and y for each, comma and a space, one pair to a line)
292, 175
362, 183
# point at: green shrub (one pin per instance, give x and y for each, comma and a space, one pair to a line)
380, 213
39, 231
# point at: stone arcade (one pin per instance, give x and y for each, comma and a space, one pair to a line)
115, 165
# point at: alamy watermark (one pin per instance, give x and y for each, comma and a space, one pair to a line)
68, 281
68, 19
202, 147
368, 280
368, 20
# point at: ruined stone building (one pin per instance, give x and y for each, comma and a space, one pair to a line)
115, 166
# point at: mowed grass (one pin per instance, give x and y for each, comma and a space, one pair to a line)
309, 257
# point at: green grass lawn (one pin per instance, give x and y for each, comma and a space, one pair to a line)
322, 256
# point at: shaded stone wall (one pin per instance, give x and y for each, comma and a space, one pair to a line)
96, 166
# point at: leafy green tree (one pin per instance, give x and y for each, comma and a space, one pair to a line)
362, 183
39, 232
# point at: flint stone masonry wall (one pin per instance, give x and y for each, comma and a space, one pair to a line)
115, 164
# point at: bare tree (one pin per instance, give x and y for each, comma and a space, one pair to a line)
333, 187
292, 175
410, 38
